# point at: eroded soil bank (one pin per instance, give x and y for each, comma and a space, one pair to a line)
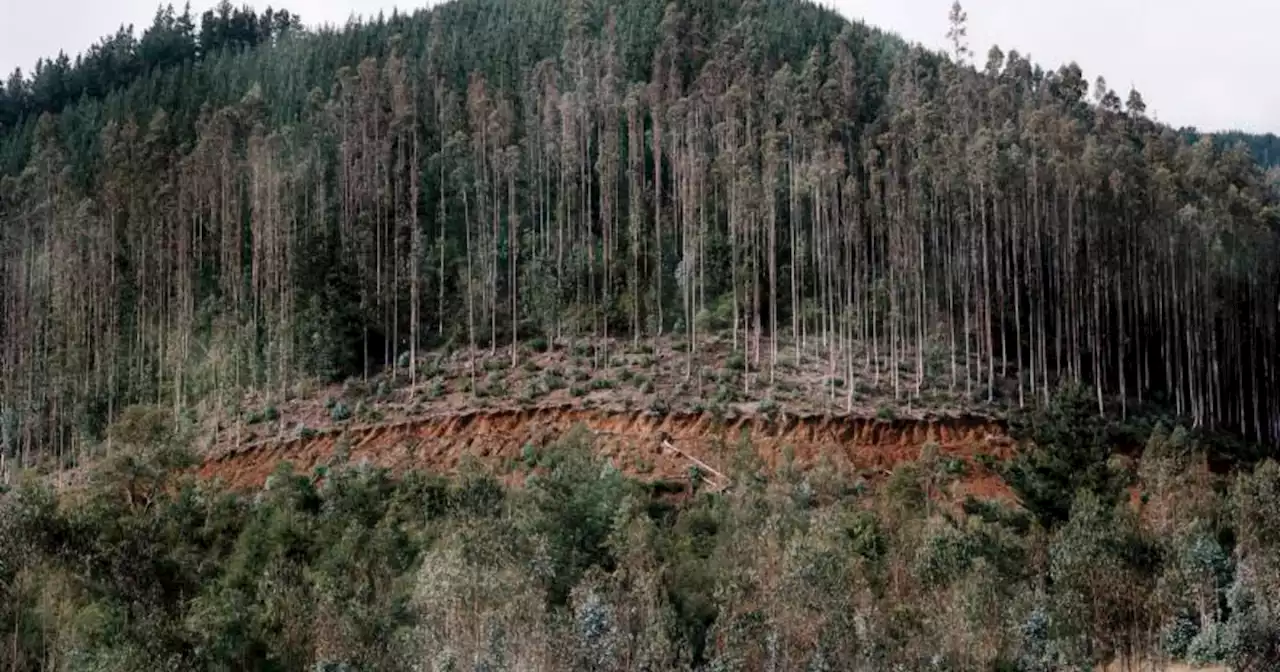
634, 441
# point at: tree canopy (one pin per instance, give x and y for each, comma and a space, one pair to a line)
242, 203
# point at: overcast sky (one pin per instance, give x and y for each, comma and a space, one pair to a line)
1207, 63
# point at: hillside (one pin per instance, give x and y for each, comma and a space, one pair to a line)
291, 204
614, 335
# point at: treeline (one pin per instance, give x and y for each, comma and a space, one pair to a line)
119, 60
348, 568
1264, 147
487, 171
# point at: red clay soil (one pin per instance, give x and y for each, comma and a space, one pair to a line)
633, 442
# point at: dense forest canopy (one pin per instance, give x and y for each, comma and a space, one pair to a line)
1263, 147
246, 203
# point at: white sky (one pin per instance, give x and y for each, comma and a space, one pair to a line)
1207, 63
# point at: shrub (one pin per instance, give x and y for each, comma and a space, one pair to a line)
529, 455
142, 426
1177, 636
726, 394
355, 388
496, 385
552, 381
1066, 448
431, 368
339, 412
1210, 645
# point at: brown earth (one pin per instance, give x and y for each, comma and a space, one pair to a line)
853, 447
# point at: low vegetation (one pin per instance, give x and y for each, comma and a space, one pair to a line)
578, 567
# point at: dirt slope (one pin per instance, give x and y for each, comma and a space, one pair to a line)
633, 441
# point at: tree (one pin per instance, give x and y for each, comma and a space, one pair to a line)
1065, 449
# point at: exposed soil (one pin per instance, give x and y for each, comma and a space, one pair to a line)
852, 447
734, 411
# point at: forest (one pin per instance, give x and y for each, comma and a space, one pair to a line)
235, 205
352, 568
201, 220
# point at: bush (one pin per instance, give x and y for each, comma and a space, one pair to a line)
1177, 636
1065, 448
1209, 646
142, 426
552, 381
339, 412
529, 455
726, 394
269, 414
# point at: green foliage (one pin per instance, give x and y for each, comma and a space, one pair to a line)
1064, 448
268, 414
436, 390
327, 130
354, 568
142, 427
576, 503
340, 412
